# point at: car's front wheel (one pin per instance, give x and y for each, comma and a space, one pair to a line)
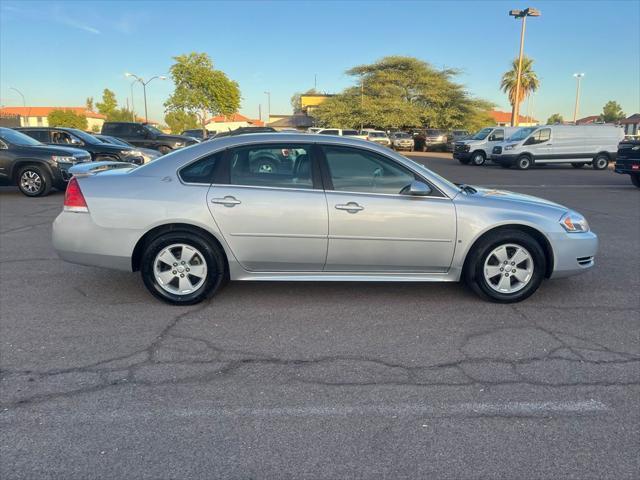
524, 162
600, 162
182, 268
34, 181
506, 266
478, 158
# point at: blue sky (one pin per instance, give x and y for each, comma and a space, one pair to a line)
59, 53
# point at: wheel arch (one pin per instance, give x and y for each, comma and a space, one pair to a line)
136, 256
535, 233
23, 162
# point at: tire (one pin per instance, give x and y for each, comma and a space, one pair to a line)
577, 165
182, 244
34, 181
601, 162
478, 158
163, 149
635, 179
524, 162
483, 256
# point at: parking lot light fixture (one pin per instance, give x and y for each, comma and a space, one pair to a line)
577, 106
523, 14
144, 88
19, 93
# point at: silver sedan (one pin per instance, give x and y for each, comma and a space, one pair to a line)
327, 209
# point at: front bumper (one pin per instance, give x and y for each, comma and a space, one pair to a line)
573, 253
504, 159
462, 155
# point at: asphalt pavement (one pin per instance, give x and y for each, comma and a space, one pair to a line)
316, 380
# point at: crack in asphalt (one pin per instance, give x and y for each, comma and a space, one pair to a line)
487, 358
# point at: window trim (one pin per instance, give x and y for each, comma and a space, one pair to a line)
328, 181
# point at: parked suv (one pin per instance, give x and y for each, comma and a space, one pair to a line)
477, 149
197, 133
35, 168
146, 136
628, 160
401, 141
73, 137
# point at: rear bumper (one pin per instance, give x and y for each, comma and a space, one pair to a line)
77, 239
573, 253
627, 166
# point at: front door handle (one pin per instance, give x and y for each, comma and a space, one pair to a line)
227, 201
351, 207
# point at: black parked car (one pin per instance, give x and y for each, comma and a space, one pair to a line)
628, 160
196, 133
146, 153
33, 166
146, 136
73, 137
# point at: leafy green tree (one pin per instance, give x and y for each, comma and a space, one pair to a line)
109, 103
612, 112
67, 118
201, 89
529, 81
179, 121
120, 115
554, 119
89, 104
401, 92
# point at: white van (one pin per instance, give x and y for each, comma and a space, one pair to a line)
477, 149
578, 145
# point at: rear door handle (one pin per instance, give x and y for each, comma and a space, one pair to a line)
227, 201
351, 207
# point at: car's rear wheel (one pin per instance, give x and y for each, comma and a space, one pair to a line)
34, 181
577, 164
182, 267
524, 162
505, 267
635, 179
600, 162
478, 158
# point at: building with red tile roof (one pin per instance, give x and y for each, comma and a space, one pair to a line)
37, 116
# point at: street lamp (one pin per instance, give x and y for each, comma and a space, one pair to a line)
268, 94
20, 93
523, 14
133, 108
144, 88
575, 110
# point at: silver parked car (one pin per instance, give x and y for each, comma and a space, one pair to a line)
333, 208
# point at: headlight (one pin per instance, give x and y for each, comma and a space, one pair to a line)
132, 153
63, 159
573, 222
510, 146
179, 144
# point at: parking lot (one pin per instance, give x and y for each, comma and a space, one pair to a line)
324, 380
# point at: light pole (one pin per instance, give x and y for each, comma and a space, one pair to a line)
575, 110
523, 14
144, 88
133, 108
20, 93
268, 94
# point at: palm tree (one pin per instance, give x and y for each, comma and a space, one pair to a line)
529, 82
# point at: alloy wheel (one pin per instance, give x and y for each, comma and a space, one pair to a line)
180, 269
508, 268
30, 181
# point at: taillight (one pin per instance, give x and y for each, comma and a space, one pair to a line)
73, 199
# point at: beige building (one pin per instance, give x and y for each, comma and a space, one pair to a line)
37, 116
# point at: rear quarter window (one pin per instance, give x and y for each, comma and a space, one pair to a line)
201, 171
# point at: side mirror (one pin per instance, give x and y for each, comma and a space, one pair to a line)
417, 189
76, 141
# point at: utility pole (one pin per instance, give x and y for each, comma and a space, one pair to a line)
268, 94
260, 111
523, 14
361, 103
577, 106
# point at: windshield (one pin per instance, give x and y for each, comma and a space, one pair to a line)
377, 134
402, 135
85, 137
482, 134
522, 133
114, 141
431, 131
17, 138
153, 130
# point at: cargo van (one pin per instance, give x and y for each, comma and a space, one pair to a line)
477, 149
578, 145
